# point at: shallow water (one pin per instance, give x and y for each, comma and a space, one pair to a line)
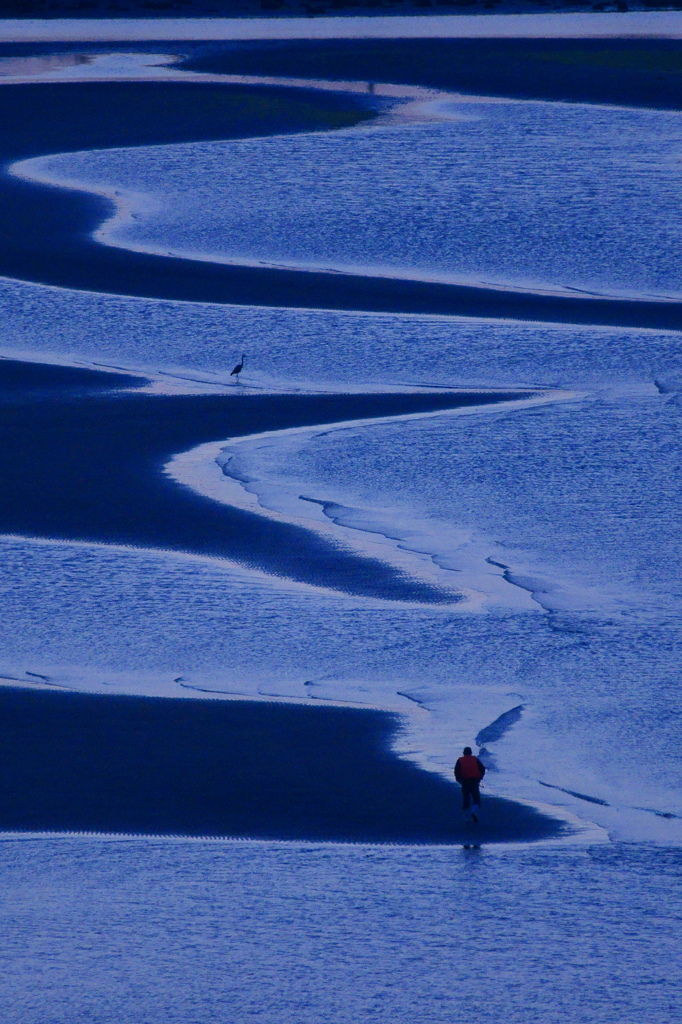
530, 194
184, 932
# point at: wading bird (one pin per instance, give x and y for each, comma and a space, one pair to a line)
238, 368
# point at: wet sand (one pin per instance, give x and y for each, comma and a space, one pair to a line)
81, 762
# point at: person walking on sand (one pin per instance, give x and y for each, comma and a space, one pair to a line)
469, 771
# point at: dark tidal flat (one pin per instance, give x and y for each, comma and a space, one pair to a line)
104, 448
47, 231
82, 762
629, 72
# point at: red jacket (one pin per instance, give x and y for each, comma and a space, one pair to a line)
469, 767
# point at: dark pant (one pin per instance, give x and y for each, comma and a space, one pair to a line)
470, 793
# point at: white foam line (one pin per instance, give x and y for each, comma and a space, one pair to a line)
585, 834
588, 25
193, 691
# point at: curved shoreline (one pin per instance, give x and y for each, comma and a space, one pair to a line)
49, 229
108, 448
237, 768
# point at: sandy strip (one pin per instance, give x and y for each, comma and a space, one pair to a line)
635, 24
